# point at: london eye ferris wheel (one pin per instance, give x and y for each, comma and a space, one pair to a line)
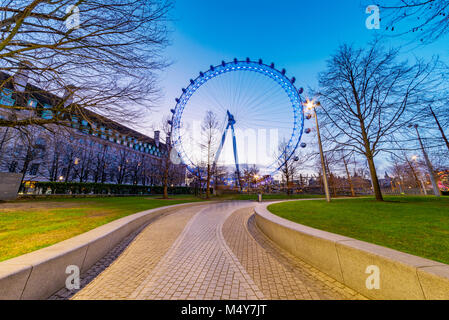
259, 112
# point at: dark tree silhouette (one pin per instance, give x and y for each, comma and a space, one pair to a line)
107, 63
366, 95
428, 19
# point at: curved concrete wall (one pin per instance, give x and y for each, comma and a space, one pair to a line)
39, 274
401, 276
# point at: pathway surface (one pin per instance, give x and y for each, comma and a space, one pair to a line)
210, 252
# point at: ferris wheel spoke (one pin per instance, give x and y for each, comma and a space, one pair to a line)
255, 103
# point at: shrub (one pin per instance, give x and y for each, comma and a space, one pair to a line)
100, 188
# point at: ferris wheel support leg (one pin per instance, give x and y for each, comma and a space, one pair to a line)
220, 148
236, 157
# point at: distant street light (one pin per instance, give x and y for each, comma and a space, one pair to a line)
311, 105
436, 190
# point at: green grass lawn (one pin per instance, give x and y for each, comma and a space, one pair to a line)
416, 225
30, 225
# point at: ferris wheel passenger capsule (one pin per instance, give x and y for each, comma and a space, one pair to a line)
223, 64
300, 90
303, 145
308, 130
308, 116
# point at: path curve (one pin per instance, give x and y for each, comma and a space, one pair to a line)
210, 252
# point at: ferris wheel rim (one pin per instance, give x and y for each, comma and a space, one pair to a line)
294, 96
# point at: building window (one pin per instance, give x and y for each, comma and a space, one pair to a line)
75, 123
34, 169
19, 149
5, 97
47, 114
13, 167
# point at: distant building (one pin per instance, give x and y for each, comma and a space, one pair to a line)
92, 149
386, 182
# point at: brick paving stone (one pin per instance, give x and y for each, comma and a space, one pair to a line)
276, 272
126, 273
210, 252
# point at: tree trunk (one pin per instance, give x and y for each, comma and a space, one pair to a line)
374, 179
5, 135
370, 158
208, 182
331, 178
25, 168
165, 179
69, 170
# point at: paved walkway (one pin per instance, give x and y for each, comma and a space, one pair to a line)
210, 252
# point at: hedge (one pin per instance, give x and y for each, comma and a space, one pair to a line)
99, 188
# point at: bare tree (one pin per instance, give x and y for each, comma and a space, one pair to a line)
208, 144
167, 167
288, 165
107, 61
250, 175
365, 95
219, 175
428, 19
122, 165
30, 146
344, 158
84, 161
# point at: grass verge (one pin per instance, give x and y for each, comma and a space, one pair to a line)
415, 225
26, 226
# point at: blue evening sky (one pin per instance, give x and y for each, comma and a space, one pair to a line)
297, 35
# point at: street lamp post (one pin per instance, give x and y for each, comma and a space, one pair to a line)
436, 190
312, 106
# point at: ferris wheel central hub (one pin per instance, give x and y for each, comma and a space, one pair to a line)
231, 119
